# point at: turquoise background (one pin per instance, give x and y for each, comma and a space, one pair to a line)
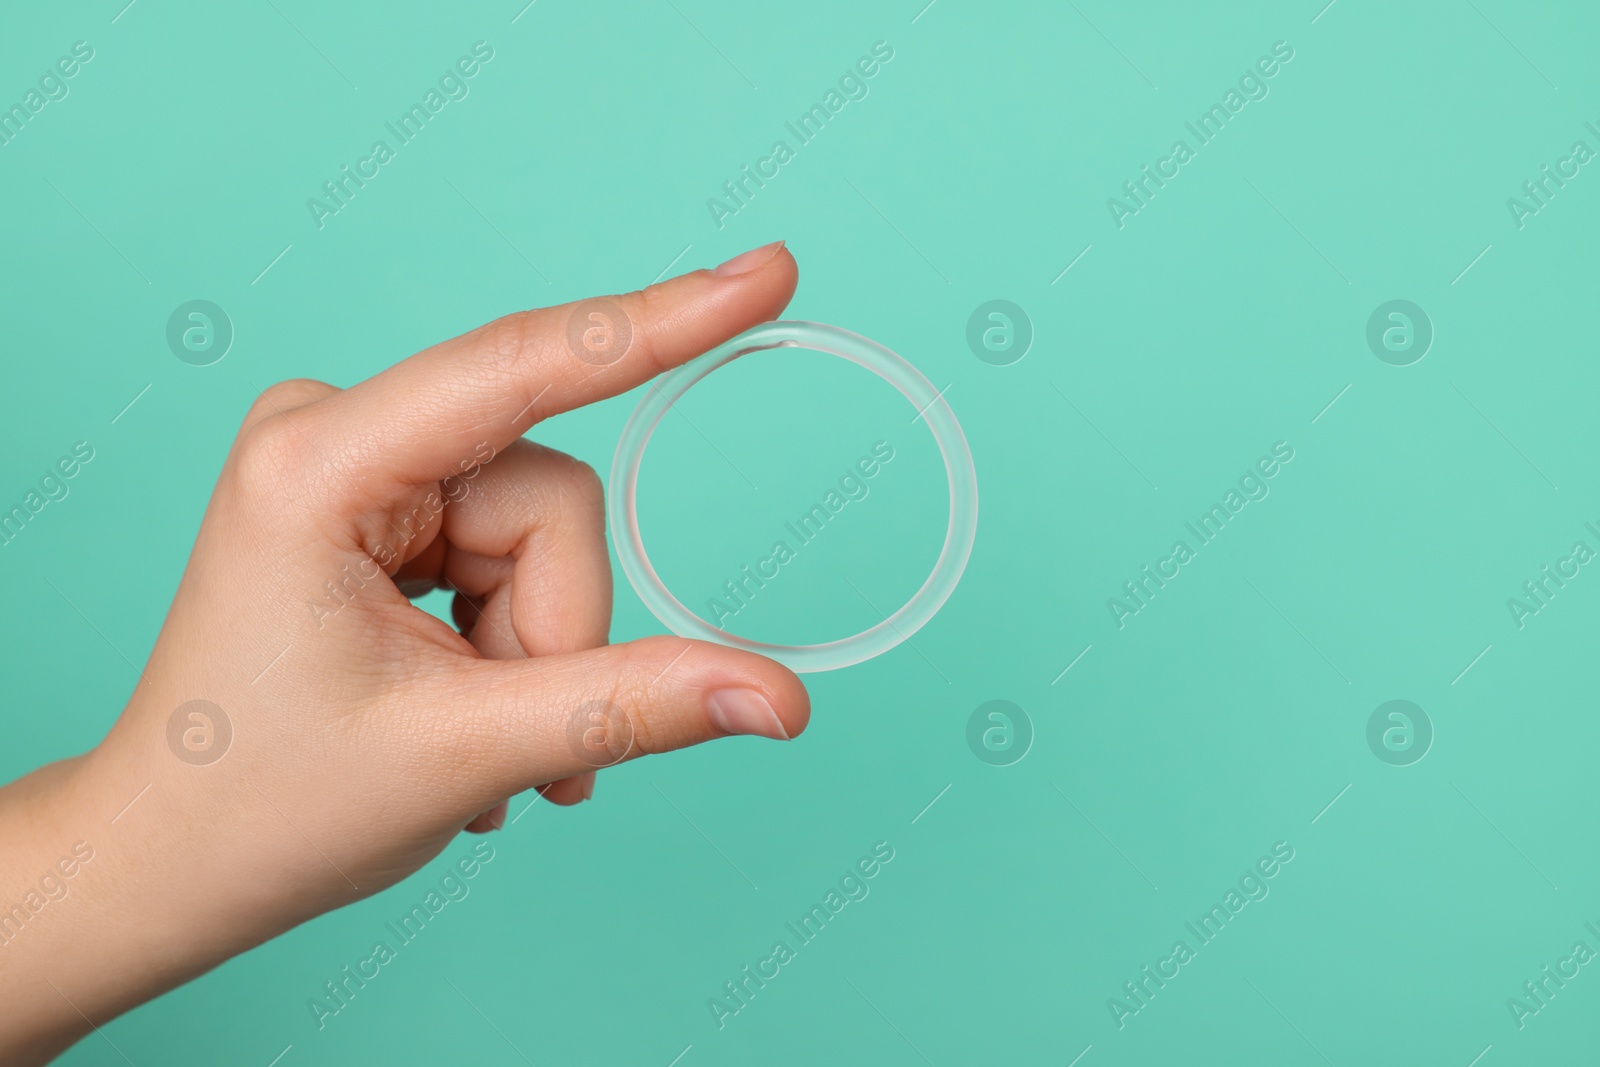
1227, 315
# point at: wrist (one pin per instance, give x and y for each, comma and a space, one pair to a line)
47, 854
97, 861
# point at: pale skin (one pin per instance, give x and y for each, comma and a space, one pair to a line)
381, 733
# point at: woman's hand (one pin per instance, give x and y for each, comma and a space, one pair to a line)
303, 736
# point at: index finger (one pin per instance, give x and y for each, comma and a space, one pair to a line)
417, 421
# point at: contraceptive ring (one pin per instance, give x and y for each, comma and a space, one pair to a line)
961, 531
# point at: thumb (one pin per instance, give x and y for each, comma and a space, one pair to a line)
529, 722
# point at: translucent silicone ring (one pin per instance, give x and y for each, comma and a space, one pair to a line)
622, 494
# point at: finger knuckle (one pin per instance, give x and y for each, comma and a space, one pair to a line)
571, 480
644, 307
286, 396
272, 453
506, 349
644, 729
601, 733
506, 343
583, 481
655, 728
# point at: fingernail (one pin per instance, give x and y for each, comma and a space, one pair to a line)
497, 817
745, 262
588, 785
744, 711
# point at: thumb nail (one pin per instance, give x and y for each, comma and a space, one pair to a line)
745, 262
744, 711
